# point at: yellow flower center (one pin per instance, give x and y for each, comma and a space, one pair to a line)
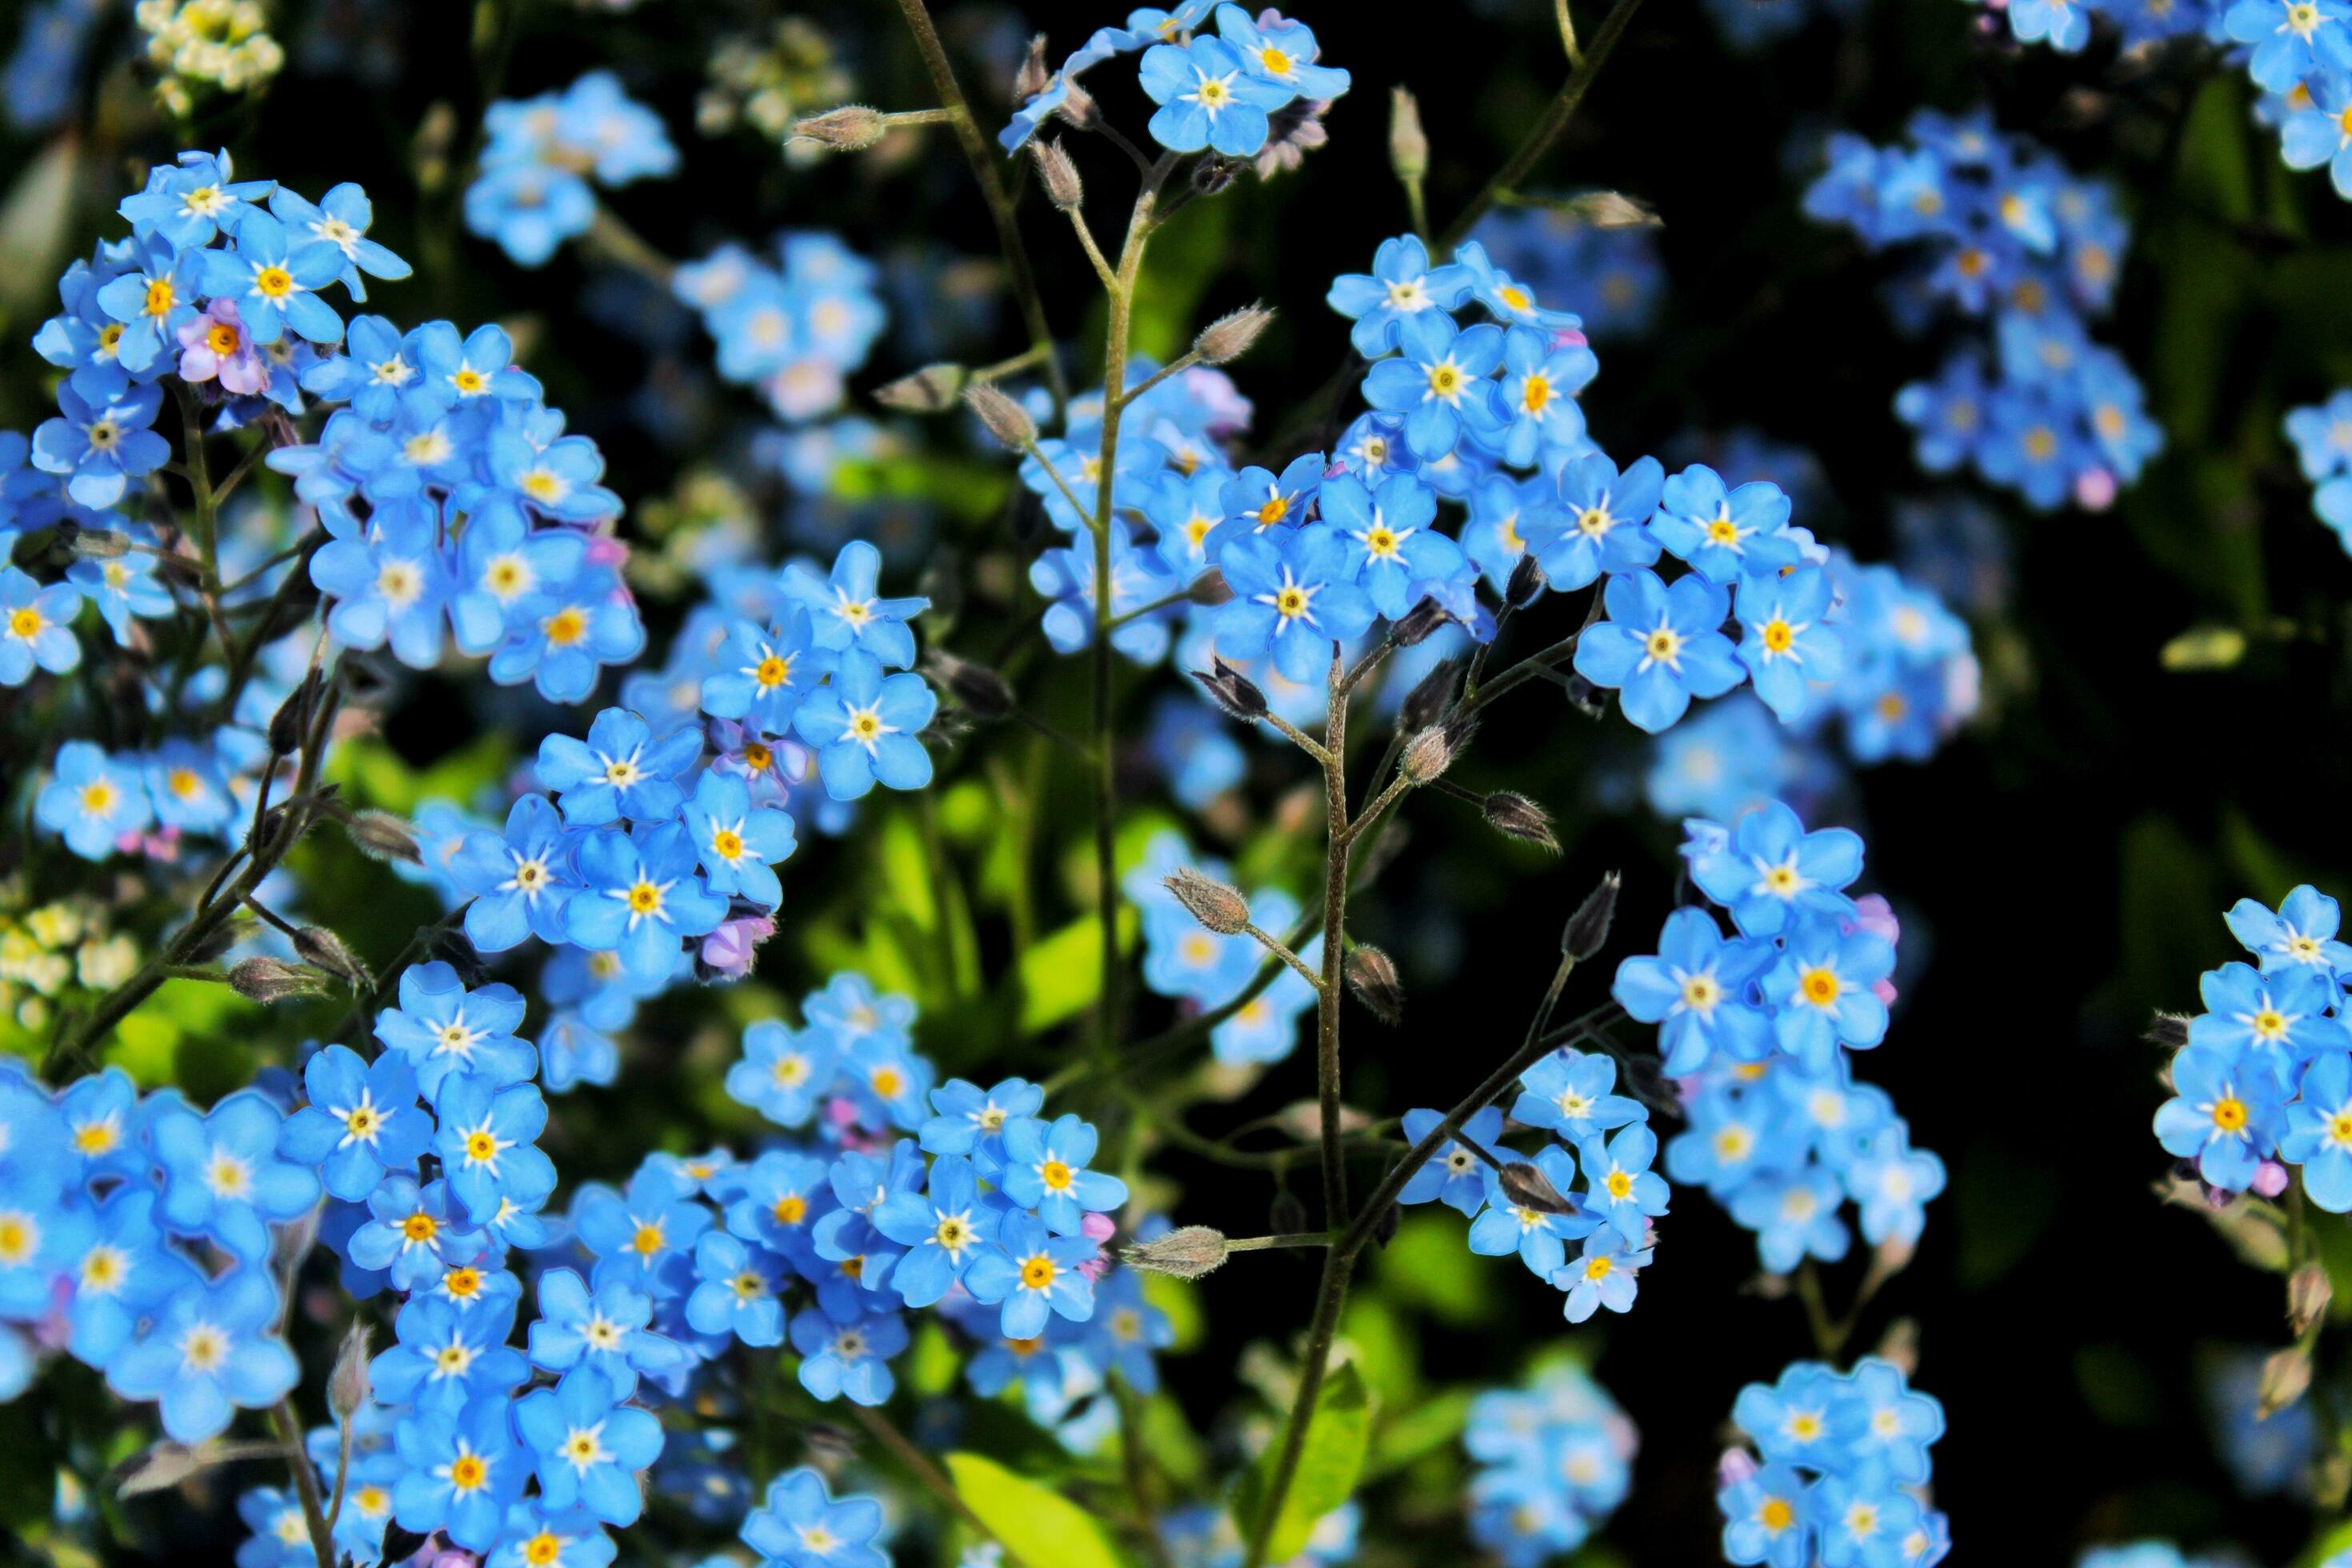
273, 282
24, 623
2230, 1113
1037, 1272
791, 1209
1820, 985
565, 627
1779, 634
161, 297
420, 1228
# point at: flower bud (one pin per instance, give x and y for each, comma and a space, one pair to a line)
851, 127
1587, 928
1287, 1215
2286, 1376
1514, 815
160, 1467
2169, 1030
383, 836
1230, 336
1527, 581
1210, 589
1407, 142
930, 390
1372, 976
1079, 107
349, 1387
1428, 754
1220, 908
1212, 174
1427, 701
322, 948
980, 690
292, 717
2308, 1293
1420, 622
1188, 1253
1585, 697
1235, 692
1613, 209
101, 543
1528, 1188
1059, 174
1033, 77
1003, 419
268, 980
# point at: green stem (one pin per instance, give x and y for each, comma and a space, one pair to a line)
306, 1480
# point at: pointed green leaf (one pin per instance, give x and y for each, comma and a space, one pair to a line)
1338, 1438
1038, 1526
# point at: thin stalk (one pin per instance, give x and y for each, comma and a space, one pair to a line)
918, 1464
306, 1480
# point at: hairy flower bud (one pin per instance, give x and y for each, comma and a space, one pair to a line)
930, 390
349, 1387
1033, 77
1612, 209
1585, 697
851, 127
2286, 1377
1220, 908
1587, 928
1059, 174
101, 543
2169, 1030
1420, 622
1372, 975
1005, 419
1079, 107
268, 980
1407, 142
1528, 1188
1527, 581
1188, 1253
1230, 336
1428, 754
2308, 1293
1514, 815
980, 691
383, 836
1426, 702
323, 949
1235, 692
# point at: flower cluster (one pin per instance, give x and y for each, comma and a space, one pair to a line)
1204, 1536
2000, 233
1208, 970
1838, 1472
2264, 1078
1611, 280
1254, 88
2321, 434
57, 947
1556, 1459
2065, 25
532, 191
793, 331
1759, 1027
1526, 1203
206, 45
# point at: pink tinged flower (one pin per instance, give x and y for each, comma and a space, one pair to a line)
2095, 490
215, 346
2270, 1179
604, 550
1736, 1466
1097, 1228
728, 951
1874, 914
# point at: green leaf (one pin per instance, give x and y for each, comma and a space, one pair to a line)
1338, 1438
1423, 1429
1062, 975
1038, 1526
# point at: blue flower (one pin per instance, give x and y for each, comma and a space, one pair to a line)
1824, 987
189, 201
1771, 869
1035, 1274
340, 218
36, 627
1263, 498
2224, 1114
643, 1237
1794, 1217
587, 1447
802, 1526
1768, 1518
1602, 523
210, 1349
782, 1074
944, 1230
153, 301
2278, 1020
844, 611
1207, 98
780, 1197
392, 584
639, 895
92, 801
737, 1293
866, 727
1788, 651
619, 771
487, 1144
448, 1032
1391, 546
1573, 1094
1539, 1238
967, 1116
605, 1330
499, 562
1537, 394
1440, 381
122, 588
461, 1473
1724, 532
1400, 286
2293, 39
1623, 1189
102, 1122
1294, 598
447, 1355
1660, 646
125, 1267
102, 446
1456, 1172
1139, 579
1602, 1276
1046, 1169
362, 1120
847, 1359
559, 637
1281, 53
222, 1176
410, 1233
739, 847
519, 880
761, 677
271, 281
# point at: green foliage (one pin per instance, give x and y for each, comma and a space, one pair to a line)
1039, 1527
1329, 1463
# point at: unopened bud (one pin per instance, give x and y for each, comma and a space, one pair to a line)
1002, 417
1287, 1215
1587, 928
1235, 692
323, 949
2308, 1293
101, 543
1229, 337
1372, 976
293, 716
1514, 815
1428, 754
1428, 701
1528, 1188
383, 836
1059, 174
2286, 1376
349, 1387
2169, 1030
1613, 209
1420, 623
1526, 582
1210, 589
1407, 142
1188, 1253
930, 390
1033, 77
851, 127
454, 948
981, 692
160, 1467
1220, 908
1585, 697
1211, 176
268, 980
